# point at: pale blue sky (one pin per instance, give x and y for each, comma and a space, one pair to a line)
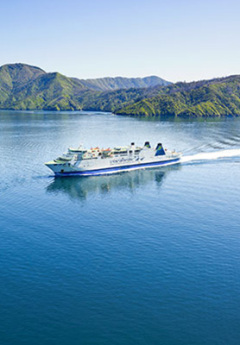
176, 40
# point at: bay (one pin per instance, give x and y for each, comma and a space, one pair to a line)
142, 257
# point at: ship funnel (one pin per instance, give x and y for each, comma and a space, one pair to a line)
159, 150
147, 144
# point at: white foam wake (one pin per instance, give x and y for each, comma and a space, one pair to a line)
211, 155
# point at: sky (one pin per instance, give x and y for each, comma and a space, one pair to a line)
176, 40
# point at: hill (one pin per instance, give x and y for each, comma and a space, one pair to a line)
29, 87
14, 75
105, 84
216, 97
49, 91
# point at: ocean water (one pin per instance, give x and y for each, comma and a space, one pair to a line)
149, 257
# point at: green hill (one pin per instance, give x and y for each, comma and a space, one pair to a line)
50, 91
28, 87
13, 76
216, 97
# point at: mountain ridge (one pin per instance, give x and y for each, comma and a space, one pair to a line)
25, 87
214, 97
113, 83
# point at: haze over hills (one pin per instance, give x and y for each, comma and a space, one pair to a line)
104, 84
27, 87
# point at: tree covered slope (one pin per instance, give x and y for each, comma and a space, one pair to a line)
217, 97
15, 75
28, 87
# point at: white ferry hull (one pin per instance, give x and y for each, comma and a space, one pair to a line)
99, 169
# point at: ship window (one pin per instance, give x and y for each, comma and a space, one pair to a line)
119, 152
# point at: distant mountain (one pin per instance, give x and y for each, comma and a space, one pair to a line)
104, 84
216, 97
28, 87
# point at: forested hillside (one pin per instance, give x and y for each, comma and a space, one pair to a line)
24, 87
28, 87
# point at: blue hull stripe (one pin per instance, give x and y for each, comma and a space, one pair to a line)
117, 169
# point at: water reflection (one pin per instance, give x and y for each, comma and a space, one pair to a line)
82, 187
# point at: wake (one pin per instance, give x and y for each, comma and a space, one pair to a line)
211, 155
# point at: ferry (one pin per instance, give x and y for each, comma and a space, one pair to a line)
96, 161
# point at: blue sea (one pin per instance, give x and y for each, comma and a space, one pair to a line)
149, 257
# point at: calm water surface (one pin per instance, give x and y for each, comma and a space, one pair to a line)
145, 257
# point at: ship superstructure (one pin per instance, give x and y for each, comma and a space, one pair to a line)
96, 161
